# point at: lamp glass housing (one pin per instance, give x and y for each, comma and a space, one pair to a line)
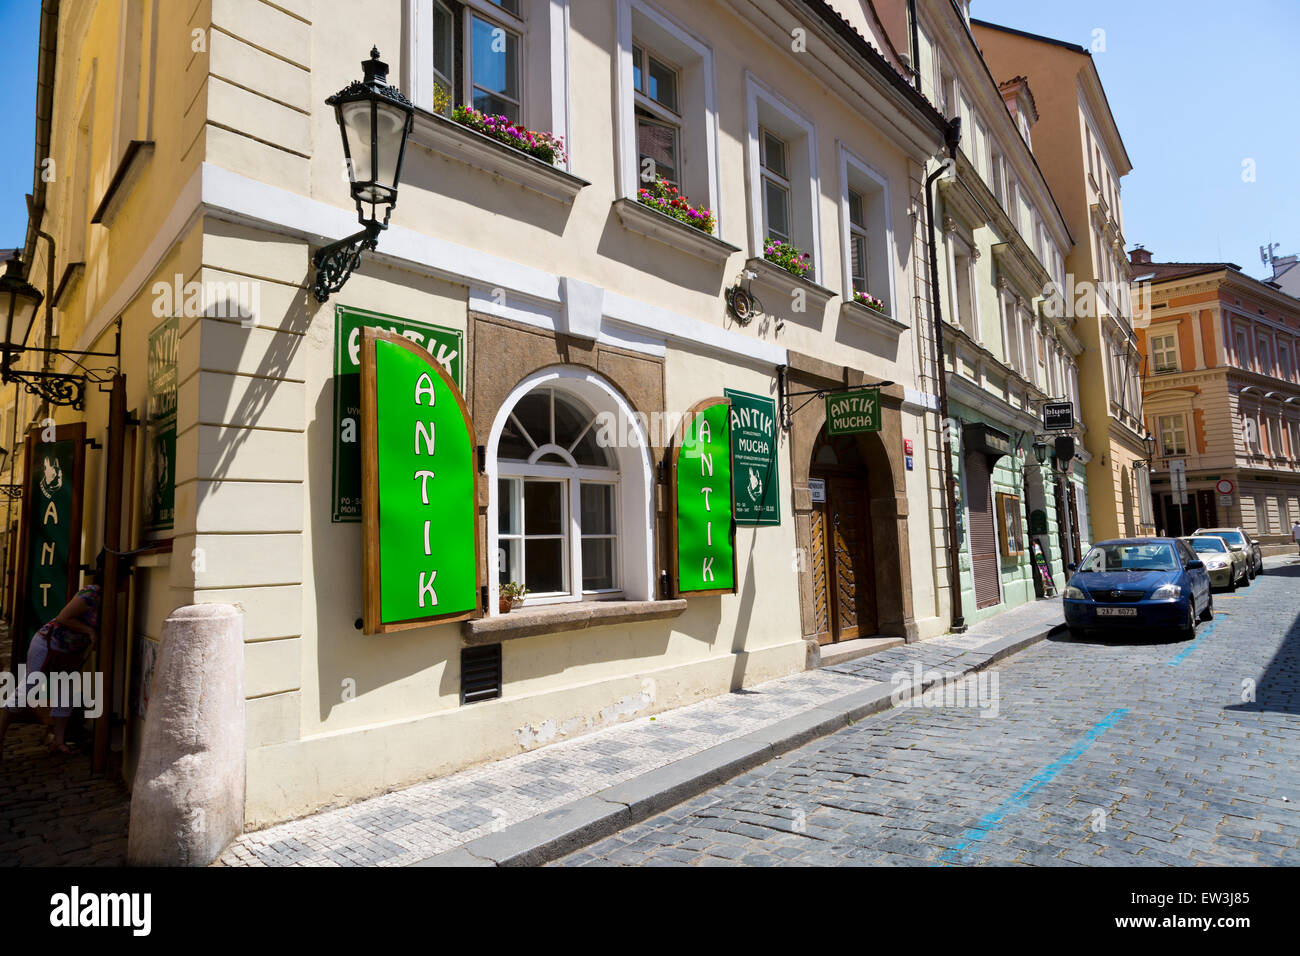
18, 304
374, 120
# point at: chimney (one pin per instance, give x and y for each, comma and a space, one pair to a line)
1140, 256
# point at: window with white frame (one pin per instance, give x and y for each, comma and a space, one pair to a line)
1284, 362
963, 288
1173, 435
783, 177
1010, 334
866, 231
666, 109
996, 182
658, 117
1028, 362
1250, 432
1164, 353
557, 499
498, 56
775, 170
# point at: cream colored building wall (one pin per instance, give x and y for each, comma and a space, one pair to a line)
378, 711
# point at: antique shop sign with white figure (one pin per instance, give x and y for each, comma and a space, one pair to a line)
420, 489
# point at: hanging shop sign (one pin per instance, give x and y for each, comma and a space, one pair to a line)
703, 510
753, 452
52, 502
447, 346
419, 474
848, 413
160, 427
1058, 416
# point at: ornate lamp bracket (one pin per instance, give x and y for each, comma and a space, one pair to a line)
337, 261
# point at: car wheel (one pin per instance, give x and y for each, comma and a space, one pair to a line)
1188, 631
1232, 582
1208, 613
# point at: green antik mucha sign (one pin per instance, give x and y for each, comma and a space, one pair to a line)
419, 466
848, 413
445, 345
753, 451
704, 539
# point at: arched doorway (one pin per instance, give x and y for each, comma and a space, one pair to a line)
841, 552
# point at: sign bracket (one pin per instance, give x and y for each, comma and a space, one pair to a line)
812, 394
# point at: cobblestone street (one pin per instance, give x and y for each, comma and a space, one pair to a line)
1113, 751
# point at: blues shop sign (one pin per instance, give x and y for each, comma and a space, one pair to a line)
419, 467
703, 511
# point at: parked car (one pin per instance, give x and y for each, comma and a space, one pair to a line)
1227, 568
1237, 538
1138, 584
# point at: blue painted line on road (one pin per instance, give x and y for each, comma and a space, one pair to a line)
1182, 655
992, 822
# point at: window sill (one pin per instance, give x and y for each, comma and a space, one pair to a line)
447, 138
876, 321
561, 618
772, 276
639, 218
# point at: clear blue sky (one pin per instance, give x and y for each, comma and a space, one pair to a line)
19, 26
1197, 87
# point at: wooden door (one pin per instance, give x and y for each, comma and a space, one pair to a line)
985, 567
844, 600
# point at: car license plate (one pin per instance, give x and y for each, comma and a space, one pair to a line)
1117, 612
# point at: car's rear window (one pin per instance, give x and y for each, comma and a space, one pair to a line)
1130, 557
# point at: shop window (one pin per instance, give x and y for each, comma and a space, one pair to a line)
571, 515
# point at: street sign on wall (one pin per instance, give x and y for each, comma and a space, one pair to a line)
848, 413
753, 451
1058, 416
445, 345
160, 427
419, 468
704, 542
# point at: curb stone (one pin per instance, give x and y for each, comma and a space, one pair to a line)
584, 821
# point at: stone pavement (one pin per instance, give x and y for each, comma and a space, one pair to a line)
1123, 749
510, 795
52, 811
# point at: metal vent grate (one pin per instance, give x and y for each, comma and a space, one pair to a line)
480, 673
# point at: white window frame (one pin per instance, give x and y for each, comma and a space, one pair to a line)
770, 177
659, 114
629, 172
504, 20
635, 498
756, 91
1156, 352
543, 22
851, 166
1178, 429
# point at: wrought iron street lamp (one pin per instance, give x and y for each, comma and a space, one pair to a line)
375, 121
1040, 452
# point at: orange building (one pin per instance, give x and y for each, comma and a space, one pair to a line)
1222, 395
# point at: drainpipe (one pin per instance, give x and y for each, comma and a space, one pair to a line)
952, 138
916, 43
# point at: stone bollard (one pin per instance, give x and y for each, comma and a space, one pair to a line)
187, 803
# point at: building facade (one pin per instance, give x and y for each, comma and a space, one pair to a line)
1221, 398
1079, 148
1005, 354
579, 322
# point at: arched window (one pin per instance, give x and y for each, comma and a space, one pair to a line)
570, 516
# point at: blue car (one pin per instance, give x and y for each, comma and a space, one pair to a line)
1139, 584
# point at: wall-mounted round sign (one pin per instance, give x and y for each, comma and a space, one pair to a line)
1225, 486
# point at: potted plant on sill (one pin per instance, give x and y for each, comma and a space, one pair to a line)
512, 593
664, 197
547, 147
788, 257
870, 301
